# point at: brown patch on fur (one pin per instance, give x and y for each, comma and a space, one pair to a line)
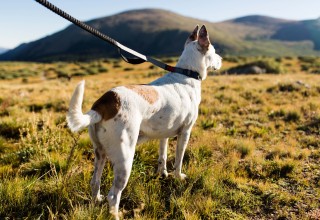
107, 105
203, 39
147, 92
194, 34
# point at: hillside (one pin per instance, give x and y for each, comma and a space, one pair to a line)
263, 35
301, 30
2, 50
162, 33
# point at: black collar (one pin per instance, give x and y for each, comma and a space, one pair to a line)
186, 72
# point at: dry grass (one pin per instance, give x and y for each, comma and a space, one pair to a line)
253, 154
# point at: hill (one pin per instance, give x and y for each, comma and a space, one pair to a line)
162, 33
301, 30
2, 50
263, 35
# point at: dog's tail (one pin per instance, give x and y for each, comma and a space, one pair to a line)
75, 118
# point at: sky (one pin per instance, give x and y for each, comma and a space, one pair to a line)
22, 21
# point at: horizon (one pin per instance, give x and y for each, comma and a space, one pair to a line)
19, 24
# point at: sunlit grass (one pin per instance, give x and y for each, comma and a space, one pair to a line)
253, 154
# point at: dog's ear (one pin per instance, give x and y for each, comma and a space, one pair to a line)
203, 39
193, 36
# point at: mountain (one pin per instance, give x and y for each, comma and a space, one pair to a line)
163, 33
263, 35
308, 30
2, 50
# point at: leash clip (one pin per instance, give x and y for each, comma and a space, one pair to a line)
134, 60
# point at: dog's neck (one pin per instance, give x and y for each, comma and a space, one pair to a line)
191, 60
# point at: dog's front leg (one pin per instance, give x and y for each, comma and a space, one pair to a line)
162, 161
183, 139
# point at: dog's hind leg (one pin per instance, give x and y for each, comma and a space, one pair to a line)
121, 168
122, 140
183, 139
162, 161
99, 162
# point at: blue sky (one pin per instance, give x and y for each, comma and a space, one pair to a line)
25, 20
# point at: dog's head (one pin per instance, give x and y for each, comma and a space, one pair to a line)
199, 54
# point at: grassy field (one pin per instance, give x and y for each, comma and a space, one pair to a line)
254, 152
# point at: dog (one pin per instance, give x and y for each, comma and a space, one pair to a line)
128, 115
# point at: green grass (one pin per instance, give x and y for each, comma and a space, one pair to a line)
253, 154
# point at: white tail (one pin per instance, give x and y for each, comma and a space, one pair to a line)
75, 118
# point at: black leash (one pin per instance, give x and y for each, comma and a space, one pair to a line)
139, 58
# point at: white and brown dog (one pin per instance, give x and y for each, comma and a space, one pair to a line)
127, 115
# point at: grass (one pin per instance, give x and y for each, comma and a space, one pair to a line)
253, 154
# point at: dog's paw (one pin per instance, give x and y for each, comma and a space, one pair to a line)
115, 214
180, 176
163, 173
99, 198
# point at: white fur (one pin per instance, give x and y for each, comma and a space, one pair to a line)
193, 59
172, 114
75, 118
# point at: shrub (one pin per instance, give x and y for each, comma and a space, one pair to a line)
207, 124
232, 59
79, 73
155, 74
58, 106
38, 107
25, 80
42, 168
284, 87
10, 130
307, 59
310, 142
232, 131
93, 71
311, 127
277, 169
62, 74
267, 66
305, 67
288, 87
4, 106
277, 114
17, 158
102, 69
316, 71
278, 59
244, 149
128, 69
292, 116
168, 60
2, 145
116, 64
